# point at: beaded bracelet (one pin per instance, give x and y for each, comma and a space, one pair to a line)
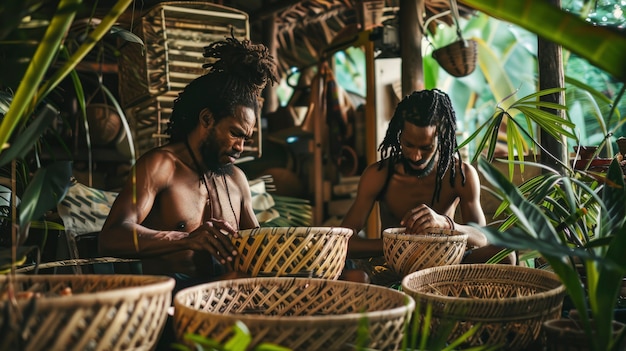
450, 222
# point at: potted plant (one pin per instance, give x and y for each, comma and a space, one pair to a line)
577, 222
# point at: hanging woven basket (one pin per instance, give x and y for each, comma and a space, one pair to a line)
458, 58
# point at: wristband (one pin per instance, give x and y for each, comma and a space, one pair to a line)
450, 222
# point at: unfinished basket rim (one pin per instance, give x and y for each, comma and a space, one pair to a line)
409, 303
293, 231
434, 234
556, 287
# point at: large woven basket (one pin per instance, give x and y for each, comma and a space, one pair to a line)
103, 312
298, 313
457, 58
510, 302
318, 252
407, 253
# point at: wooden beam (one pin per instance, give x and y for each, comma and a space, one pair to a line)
272, 9
411, 46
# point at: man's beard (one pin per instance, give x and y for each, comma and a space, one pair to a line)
420, 173
210, 155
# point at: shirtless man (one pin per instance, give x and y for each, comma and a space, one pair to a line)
420, 180
184, 199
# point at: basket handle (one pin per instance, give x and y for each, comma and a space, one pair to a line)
454, 9
454, 12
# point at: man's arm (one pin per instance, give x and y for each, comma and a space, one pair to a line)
247, 218
471, 209
123, 234
370, 184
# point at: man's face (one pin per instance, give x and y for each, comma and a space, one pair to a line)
226, 139
419, 149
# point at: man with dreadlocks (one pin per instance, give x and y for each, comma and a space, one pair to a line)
185, 198
419, 181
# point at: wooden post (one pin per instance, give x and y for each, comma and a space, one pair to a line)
550, 62
318, 171
370, 129
411, 46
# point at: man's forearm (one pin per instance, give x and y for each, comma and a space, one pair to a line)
474, 237
139, 242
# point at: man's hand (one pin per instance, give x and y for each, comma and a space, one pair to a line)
214, 237
421, 218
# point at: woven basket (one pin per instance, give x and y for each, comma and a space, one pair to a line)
103, 312
407, 253
510, 302
318, 252
298, 313
458, 58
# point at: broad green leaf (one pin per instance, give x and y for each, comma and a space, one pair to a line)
29, 137
492, 68
602, 46
241, 338
47, 188
38, 66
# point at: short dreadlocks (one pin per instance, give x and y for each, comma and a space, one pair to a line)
237, 74
425, 108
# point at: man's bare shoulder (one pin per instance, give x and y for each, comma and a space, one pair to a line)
468, 168
163, 156
377, 169
374, 177
238, 174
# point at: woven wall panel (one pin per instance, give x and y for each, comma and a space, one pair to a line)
151, 77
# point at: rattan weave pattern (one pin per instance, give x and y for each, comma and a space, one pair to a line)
317, 252
510, 302
407, 253
457, 58
299, 313
104, 312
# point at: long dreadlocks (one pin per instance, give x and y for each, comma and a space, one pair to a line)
425, 108
238, 72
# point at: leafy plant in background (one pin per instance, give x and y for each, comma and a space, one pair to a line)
603, 46
292, 212
529, 109
593, 108
507, 62
577, 222
22, 125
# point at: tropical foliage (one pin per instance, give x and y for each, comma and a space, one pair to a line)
603, 46
577, 222
40, 29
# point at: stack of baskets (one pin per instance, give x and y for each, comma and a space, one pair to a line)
83, 312
317, 252
298, 313
407, 253
509, 302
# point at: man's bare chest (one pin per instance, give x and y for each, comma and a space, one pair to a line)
406, 192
